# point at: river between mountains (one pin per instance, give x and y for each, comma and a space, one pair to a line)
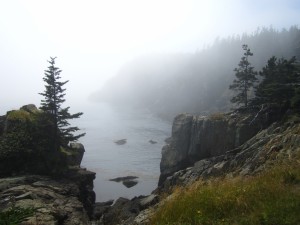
139, 155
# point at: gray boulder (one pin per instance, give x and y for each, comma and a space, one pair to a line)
75, 154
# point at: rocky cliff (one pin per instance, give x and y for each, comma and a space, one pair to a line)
278, 141
197, 137
220, 145
52, 183
244, 154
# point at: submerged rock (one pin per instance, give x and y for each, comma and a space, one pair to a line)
152, 142
119, 179
121, 141
128, 181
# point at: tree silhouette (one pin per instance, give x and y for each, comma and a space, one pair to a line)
280, 82
246, 77
62, 132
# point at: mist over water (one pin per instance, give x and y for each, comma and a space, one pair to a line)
138, 157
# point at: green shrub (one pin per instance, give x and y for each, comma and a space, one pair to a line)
27, 147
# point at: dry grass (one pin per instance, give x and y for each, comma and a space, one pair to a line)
217, 116
270, 198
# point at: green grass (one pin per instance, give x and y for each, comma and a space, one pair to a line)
15, 215
271, 198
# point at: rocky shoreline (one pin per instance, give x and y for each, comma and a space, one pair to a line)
67, 199
223, 145
247, 143
57, 201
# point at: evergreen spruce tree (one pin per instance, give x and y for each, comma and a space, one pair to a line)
246, 77
280, 82
62, 132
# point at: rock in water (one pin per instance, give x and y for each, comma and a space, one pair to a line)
152, 142
119, 179
121, 141
128, 181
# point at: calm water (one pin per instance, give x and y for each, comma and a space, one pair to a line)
137, 157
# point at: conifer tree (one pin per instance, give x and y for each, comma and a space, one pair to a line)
62, 132
246, 77
280, 82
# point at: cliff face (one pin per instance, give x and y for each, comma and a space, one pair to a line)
275, 143
200, 137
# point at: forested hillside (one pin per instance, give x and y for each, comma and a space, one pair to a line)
195, 82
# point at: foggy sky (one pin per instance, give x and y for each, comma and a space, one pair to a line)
92, 39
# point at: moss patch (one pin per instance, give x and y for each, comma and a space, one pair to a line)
19, 115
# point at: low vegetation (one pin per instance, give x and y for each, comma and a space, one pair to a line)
15, 215
217, 116
272, 197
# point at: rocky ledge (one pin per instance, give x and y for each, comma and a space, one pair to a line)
278, 141
66, 201
196, 137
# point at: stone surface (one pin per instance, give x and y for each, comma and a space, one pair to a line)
100, 208
75, 154
175, 153
55, 201
250, 158
125, 211
148, 201
199, 137
29, 108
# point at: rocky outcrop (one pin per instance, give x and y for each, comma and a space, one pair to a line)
56, 201
262, 150
200, 137
279, 141
74, 154
84, 179
221, 145
36, 176
124, 211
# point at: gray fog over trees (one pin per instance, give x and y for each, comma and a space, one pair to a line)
196, 83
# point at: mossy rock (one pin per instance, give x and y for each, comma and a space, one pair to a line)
19, 115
